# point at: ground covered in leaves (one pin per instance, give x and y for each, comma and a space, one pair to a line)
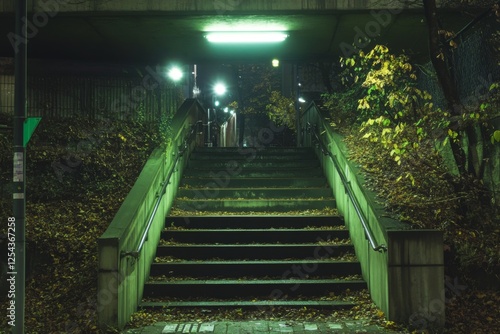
79, 172
416, 192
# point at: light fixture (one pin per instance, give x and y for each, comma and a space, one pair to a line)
220, 89
302, 100
175, 73
246, 36
276, 62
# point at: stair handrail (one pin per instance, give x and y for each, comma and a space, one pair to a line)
313, 129
159, 195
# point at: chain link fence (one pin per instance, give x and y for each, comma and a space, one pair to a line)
475, 68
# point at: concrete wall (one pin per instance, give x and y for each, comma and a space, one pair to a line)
121, 278
406, 281
201, 5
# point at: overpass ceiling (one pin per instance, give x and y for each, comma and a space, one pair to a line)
158, 37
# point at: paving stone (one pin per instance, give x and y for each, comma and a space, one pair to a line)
280, 327
352, 324
151, 330
170, 328
310, 327
235, 328
220, 328
206, 328
260, 327
255, 326
335, 326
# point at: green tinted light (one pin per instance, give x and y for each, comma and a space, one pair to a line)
246, 37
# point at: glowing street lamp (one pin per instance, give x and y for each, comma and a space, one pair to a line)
175, 74
220, 89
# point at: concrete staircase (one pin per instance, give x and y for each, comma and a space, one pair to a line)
253, 228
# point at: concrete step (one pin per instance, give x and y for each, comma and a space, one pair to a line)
252, 251
227, 181
264, 172
262, 268
249, 153
212, 193
319, 304
228, 288
253, 222
254, 260
235, 165
254, 205
229, 236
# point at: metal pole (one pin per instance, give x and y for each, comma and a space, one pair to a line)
19, 169
297, 106
209, 126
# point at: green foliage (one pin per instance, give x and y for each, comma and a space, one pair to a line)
385, 83
395, 132
281, 110
165, 129
256, 83
495, 138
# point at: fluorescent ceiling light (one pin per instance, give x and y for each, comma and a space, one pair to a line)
246, 37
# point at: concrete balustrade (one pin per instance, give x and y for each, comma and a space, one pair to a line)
406, 281
121, 277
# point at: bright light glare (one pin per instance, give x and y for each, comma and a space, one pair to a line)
302, 100
220, 89
246, 37
276, 62
175, 73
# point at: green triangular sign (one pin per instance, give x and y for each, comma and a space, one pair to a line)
30, 125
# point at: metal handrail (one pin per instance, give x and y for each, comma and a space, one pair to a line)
368, 232
182, 149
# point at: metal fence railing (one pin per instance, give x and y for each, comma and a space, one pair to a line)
475, 68
90, 95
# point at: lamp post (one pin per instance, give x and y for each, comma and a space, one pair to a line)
18, 222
